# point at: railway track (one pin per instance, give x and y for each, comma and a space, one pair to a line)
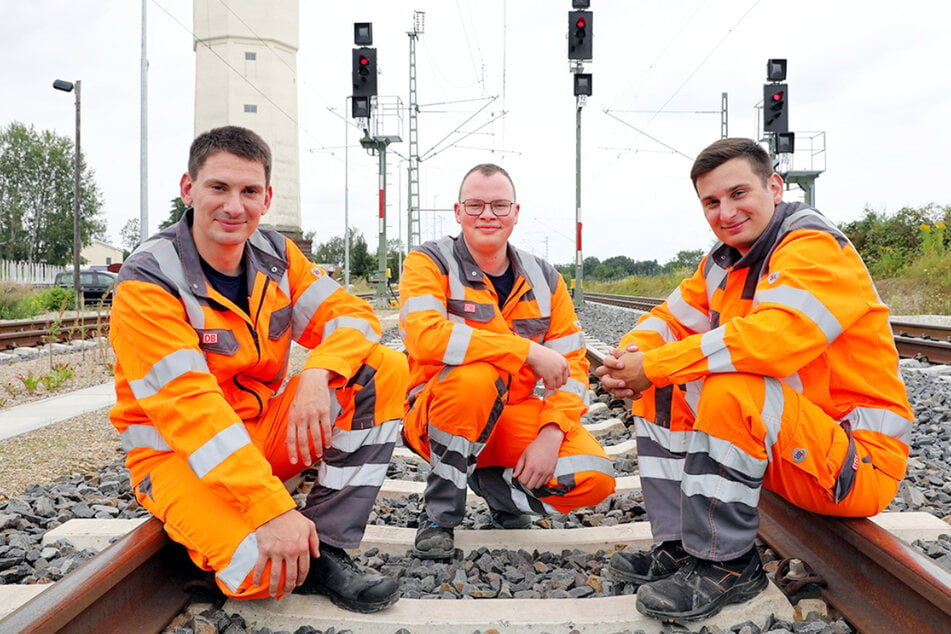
874, 580
929, 343
914, 341
34, 332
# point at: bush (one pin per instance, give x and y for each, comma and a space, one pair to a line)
14, 301
54, 299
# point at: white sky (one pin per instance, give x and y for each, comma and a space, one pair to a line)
871, 76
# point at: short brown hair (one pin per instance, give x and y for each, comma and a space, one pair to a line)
487, 169
234, 140
719, 152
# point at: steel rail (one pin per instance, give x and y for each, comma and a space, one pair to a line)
31, 332
875, 580
930, 343
136, 584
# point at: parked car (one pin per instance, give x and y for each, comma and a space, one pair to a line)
95, 285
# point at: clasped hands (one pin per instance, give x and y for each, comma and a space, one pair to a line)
622, 373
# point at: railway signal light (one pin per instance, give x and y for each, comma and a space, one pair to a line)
363, 33
775, 70
785, 142
364, 72
775, 108
582, 84
580, 35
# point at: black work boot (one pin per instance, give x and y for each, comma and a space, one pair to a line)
335, 575
644, 566
504, 519
432, 540
702, 587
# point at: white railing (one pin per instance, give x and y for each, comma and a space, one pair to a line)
28, 272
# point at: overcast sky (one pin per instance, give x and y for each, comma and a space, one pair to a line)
867, 82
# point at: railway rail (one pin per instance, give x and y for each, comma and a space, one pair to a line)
930, 343
874, 580
918, 341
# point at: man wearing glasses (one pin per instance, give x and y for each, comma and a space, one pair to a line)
483, 323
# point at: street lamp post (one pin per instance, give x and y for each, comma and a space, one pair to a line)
67, 86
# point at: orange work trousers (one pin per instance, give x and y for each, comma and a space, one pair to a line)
215, 532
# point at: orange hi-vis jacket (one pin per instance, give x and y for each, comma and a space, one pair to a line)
192, 367
800, 307
450, 316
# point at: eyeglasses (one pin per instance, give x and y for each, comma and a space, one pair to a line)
475, 207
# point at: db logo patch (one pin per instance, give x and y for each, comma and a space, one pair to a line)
855, 463
799, 454
773, 277
468, 307
209, 338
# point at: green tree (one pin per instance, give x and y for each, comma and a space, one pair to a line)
175, 213
332, 252
36, 197
685, 260
129, 236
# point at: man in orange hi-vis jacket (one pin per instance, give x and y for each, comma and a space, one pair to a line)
204, 316
772, 367
482, 322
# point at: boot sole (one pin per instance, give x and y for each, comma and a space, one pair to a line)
736, 594
435, 553
362, 607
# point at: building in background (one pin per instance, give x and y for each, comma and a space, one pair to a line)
100, 255
246, 75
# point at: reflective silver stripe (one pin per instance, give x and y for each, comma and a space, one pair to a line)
686, 314
166, 370
361, 325
450, 474
421, 303
794, 381
718, 356
367, 475
309, 303
520, 499
727, 454
806, 303
241, 564
350, 441
692, 395
458, 345
575, 388
456, 288
285, 285
882, 421
714, 276
658, 325
538, 281
566, 344
171, 266
454, 443
218, 448
772, 413
672, 441
815, 216
568, 465
143, 437
718, 488
661, 468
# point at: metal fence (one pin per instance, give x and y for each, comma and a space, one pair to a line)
32, 273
